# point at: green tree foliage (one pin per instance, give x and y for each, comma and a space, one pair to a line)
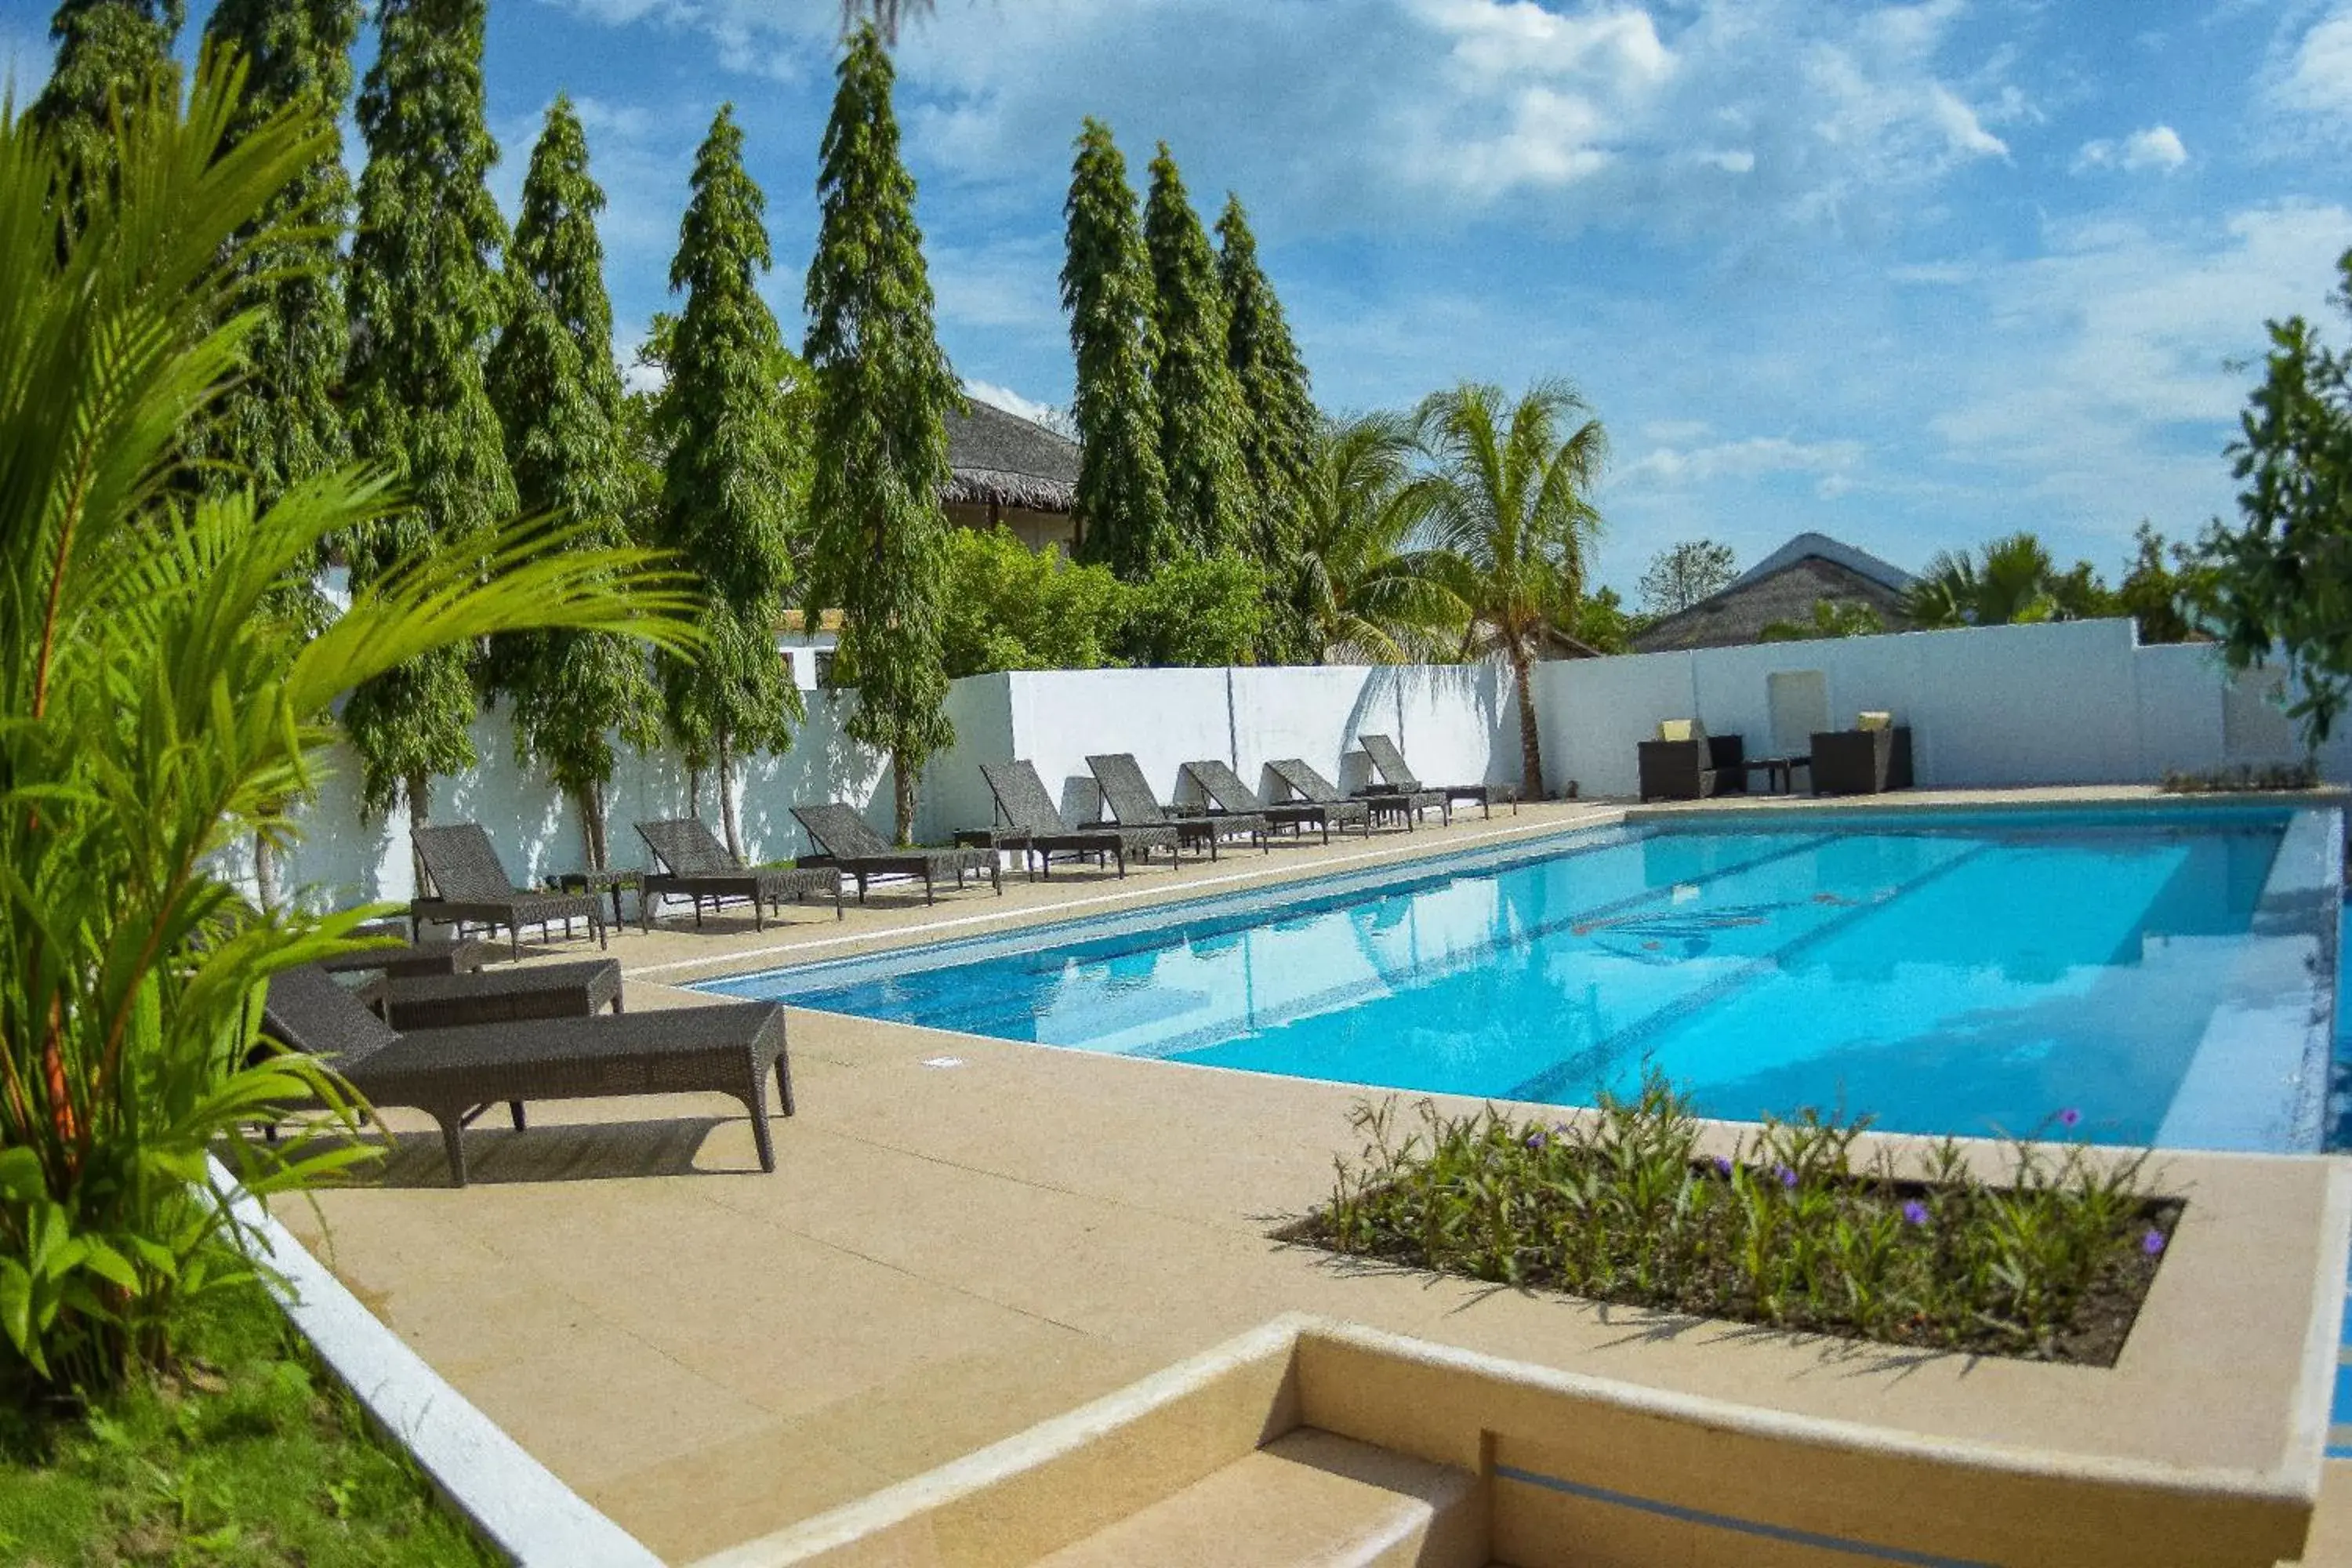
1831, 618
1007, 607
2011, 581
281, 424
112, 55
1200, 612
153, 714
1510, 501
1367, 593
1122, 502
1682, 574
2282, 579
2163, 589
558, 393
1603, 624
1280, 422
1201, 417
883, 391
426, 300
727, 499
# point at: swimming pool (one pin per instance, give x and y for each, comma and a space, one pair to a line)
2168, 974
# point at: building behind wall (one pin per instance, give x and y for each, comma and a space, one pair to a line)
1012, 472
1784, 586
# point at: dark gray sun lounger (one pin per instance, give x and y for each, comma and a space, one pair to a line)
1229, 795
1396, 775
1307, 784
470, 888
695, 865
1129, 794
453, 1075
440, 955
845, 842
1035, 827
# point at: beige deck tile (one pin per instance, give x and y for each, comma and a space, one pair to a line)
745, 1485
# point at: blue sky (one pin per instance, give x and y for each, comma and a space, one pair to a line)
1913, 275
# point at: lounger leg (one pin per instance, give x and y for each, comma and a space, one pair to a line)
604, 942
514, 942
514, 1109
931, 894
996, 877
453, 1144
1121, 853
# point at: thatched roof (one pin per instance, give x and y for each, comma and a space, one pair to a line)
1784, 586
1001, 458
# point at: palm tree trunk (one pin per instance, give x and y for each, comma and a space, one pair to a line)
1530, 743
727, 802
588, 801
420, 814
902, 780
265, 871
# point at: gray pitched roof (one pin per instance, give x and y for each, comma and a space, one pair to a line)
1861, 563
1001, 457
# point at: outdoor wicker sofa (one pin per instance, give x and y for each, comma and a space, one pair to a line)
1035, 828
453, 1075
470, 888
845, 843
435, 955
1129, 794
1396, 775
696, 865
1229, 795
1394, 805
1679, 765
576, 990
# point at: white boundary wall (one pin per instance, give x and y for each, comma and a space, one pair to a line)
2077, 703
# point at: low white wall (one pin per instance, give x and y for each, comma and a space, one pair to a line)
2067, 702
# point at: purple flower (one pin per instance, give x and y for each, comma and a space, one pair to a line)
2152, 1243
2070, 1116
1914, 1213
1788, 1177
1723, 1167
1535, 1139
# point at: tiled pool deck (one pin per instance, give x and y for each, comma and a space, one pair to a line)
966, 1236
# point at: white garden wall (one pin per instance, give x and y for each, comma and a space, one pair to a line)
2072, 703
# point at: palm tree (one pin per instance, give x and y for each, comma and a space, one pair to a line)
1508, 503
2011, 581
1367, 594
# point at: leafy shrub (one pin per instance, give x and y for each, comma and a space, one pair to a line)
1620, 1206
155, 712
2242, 779
1009, 607
1199, 612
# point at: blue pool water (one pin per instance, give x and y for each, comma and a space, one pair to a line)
1947, 974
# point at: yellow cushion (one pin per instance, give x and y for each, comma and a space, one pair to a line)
1675, 729
1875, 722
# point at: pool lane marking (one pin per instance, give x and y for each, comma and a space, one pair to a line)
1554, 1079
1477, 836
1845, 1545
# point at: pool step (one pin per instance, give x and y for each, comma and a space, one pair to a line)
1308, 1500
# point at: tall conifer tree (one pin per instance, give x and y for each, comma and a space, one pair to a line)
1123, 500
879, 546
425, 301
110, 53
1200, 406
1279, 419
281, 424
726, 491
558, 393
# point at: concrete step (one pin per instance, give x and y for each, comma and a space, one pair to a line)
1308, 1500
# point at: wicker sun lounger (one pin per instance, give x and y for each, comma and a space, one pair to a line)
440, 955
845, 842
1035, 825
1390, 806
1228, 793
453, 1075
470, 888
696, 865
578, 990
1129, 794
1395, 773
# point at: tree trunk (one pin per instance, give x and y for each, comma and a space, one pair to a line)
902, 779
265, 871
418, 788
589, 804
727, 803
1531, 745
693, 790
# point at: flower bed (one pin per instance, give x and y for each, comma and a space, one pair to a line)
1620, 1206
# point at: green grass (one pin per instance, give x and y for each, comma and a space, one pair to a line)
248, 1454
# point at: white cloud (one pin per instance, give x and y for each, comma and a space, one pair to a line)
2158, 147
2316, 81
1753, 458
1011, 402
